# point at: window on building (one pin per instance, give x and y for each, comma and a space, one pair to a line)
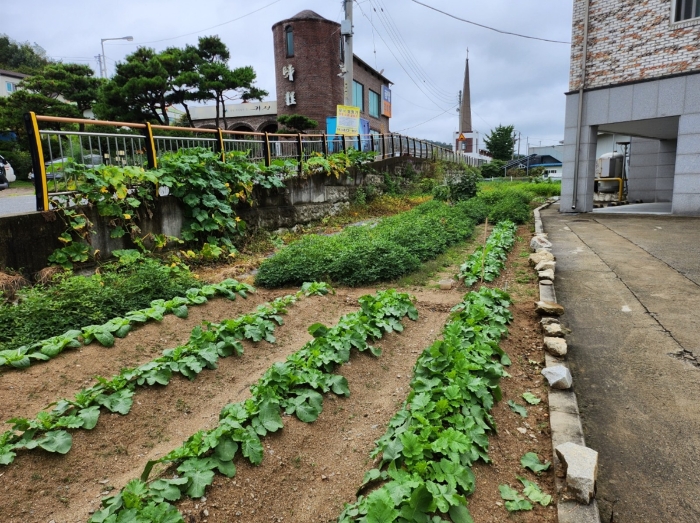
10, 87
289, 40
375, 102
687, 9
358, 95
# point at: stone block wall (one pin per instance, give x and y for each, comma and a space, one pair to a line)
632, 40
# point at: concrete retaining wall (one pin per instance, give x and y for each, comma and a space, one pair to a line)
26, 241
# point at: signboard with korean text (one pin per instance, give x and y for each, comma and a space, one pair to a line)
386, 101
347, 120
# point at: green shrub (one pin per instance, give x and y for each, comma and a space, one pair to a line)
465, 185
370, 253
363, 262
78, 301
510, 207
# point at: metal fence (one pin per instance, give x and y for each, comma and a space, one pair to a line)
142, 145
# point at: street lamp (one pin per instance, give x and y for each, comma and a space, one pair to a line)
104, 59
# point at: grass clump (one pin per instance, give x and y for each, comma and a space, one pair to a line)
371, 253
72, 302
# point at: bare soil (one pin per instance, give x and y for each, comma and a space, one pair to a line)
309, 470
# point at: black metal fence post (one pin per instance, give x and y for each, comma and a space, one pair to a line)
38, 167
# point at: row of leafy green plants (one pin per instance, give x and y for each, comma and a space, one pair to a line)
295, 386
426, 454
365, 254
209, 187
487, 261
203, 350
392, 247
442, 428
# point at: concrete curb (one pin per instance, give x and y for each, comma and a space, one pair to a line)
564, 418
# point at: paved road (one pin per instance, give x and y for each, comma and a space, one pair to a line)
17, 204
631, 288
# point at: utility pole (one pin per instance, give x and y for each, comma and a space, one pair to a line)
519, 140
99, 63
346, 32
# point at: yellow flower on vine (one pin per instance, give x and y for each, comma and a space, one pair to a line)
238, 218
127, 216
103, 189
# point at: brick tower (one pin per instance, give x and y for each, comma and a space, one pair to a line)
307, 57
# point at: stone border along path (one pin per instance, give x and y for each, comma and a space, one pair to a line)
575, 465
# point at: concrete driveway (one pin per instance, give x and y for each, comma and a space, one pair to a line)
631, 289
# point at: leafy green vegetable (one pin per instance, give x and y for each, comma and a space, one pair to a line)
486, 262
518, 409
531, 398
295, 385
514, 501
532, 462
202, 351
442, 427
533, 492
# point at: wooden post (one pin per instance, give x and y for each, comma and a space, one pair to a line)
268, 156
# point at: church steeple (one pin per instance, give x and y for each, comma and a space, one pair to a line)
465, 111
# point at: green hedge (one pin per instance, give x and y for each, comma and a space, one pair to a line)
367, 254
397, 245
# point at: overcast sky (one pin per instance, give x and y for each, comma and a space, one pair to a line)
513, 80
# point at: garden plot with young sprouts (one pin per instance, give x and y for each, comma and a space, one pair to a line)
282, 424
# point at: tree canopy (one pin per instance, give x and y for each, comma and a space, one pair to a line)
500, 143
296, 122
21, 57
147, 83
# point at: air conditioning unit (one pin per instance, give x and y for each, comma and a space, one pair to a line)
610, 165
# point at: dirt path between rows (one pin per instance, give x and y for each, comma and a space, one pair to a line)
309, 470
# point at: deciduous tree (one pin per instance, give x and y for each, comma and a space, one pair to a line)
500, 143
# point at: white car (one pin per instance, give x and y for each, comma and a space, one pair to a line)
9, 171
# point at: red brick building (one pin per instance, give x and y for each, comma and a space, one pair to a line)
308, 59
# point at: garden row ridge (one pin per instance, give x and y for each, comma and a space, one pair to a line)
575, 465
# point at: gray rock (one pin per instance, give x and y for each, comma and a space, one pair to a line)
555, 346
546, 275
548, 308
558, 377
540, 242
549, 321
539, 257
545, 265
581, 466
539, 251
553, 330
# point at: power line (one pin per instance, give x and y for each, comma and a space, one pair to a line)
397, 39
208, 28
399, 61
490, 28
409, 55
430, 120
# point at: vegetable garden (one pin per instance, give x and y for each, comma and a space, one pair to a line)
352, 400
